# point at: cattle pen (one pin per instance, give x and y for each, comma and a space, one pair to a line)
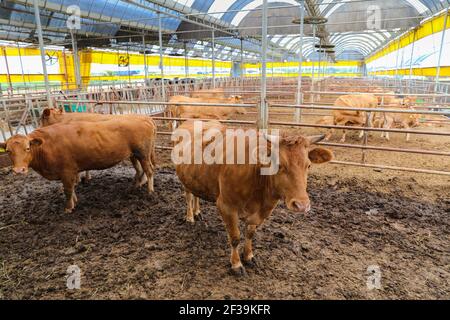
370, 79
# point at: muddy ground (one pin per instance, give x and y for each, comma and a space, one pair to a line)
131, 245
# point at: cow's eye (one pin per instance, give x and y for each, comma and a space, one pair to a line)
28, 149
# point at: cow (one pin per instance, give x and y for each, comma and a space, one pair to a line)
353, 117
4, 126
396, 120
61, 151
209, 93
52, 116
203, 112
240, 191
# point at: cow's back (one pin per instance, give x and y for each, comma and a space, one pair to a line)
200, 179
91, 145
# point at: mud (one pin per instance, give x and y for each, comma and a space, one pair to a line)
131, 245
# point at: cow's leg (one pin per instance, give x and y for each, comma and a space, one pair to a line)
87, 177
75, 198
69, 183
248, 247
408, 137
148, 170
231, 220
329, 134
387, 125
140, 178
344, 135
190, 207
196, 206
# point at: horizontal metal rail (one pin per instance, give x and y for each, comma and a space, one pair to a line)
430, 95
395, 168
375, 110
374, 166
308, 125
291, 106
199, 104
353, 146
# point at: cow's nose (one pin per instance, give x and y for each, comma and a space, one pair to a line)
302, 207
20, 170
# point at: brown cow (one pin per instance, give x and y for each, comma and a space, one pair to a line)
55, 116
209, 93
203, 112
61, 151
350, 117
240, 191
396, 120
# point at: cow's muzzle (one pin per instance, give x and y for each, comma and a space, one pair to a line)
20, 170
300, 206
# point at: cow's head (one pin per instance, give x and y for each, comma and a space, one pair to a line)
19, 149
295, 159
409, 101
49, 116
238, 100
235, 99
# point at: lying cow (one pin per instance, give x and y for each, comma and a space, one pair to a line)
61, 151
396, 120
241, 192
209, 93
51, 116
353, 117
203, 112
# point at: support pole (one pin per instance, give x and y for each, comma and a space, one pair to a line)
263, 113
76, 60
145, 61
314, 45
21, 66
411, 61
8, 73
298, 111
396, 80
242, 59
213, 59
186, 61
320, 59
438, 71
42, 50
161, 61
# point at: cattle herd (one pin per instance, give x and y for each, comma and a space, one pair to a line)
68, 144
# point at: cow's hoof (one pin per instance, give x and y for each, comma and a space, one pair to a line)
238, 272
252, 263
190, 220
68, 210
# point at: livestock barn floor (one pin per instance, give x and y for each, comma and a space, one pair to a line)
130, 245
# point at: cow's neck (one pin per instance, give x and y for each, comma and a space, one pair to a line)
38, 162
265, 190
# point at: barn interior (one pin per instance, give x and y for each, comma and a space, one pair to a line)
382, 201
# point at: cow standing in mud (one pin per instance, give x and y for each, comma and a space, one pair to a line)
353, 117
61, 151
242, 191
51, 116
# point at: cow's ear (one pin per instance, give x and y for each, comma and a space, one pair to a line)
320, 155
36, 142
46, 113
